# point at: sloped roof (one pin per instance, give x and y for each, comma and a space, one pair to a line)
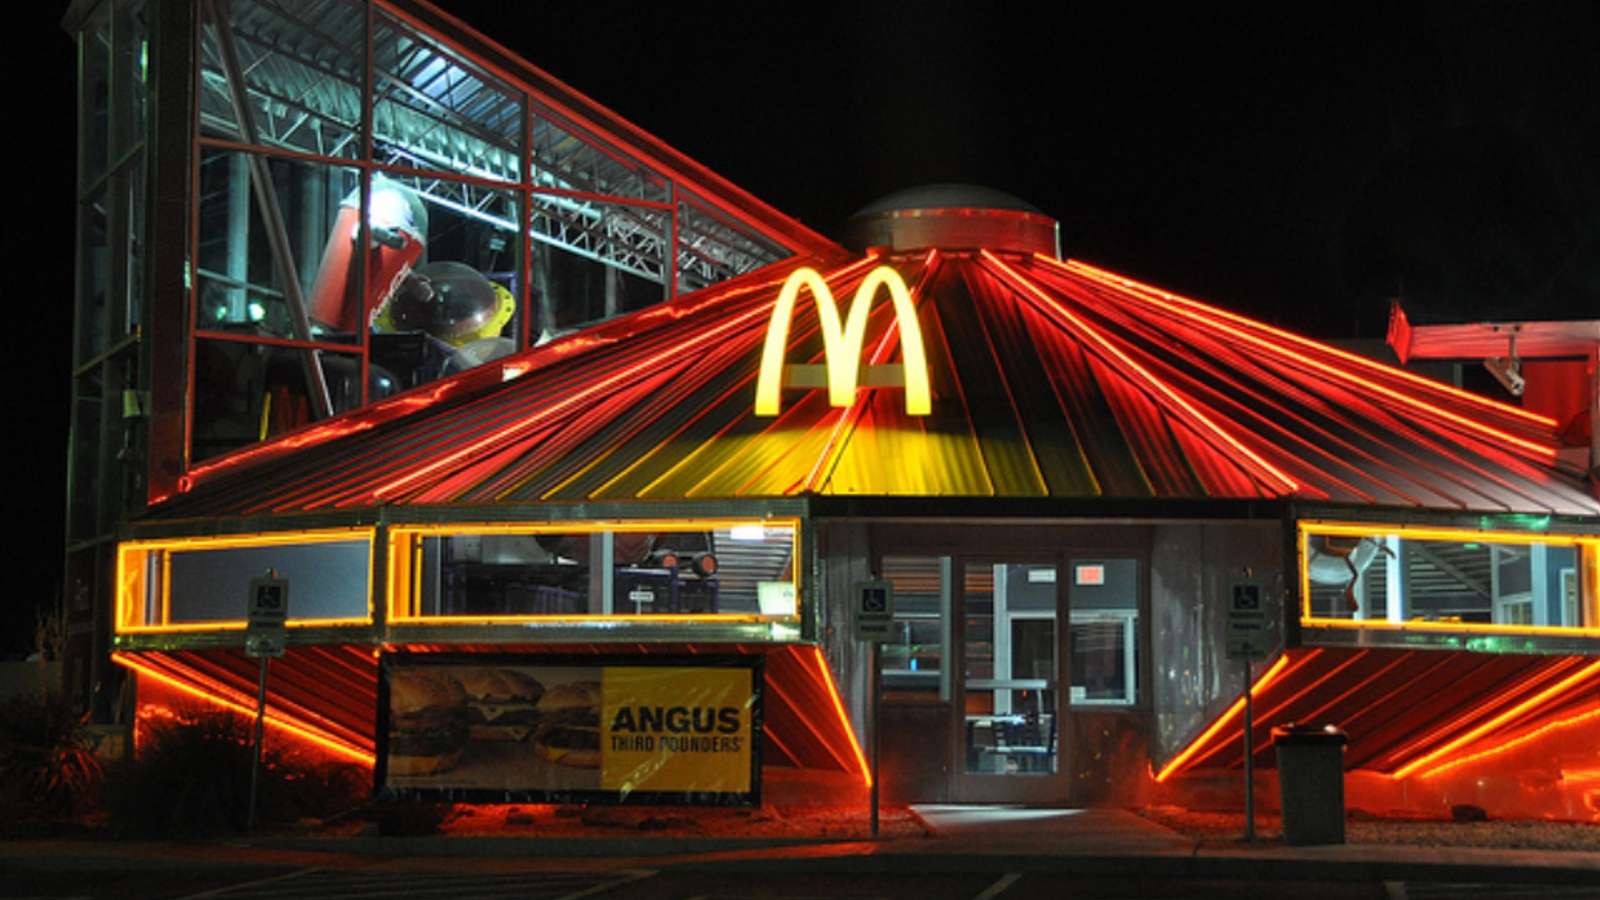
1050, 380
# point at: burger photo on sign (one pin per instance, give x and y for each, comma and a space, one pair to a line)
427, 722
501, 703
569, 725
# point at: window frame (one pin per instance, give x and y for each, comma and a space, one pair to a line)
1587, 546
402, 600
132, 580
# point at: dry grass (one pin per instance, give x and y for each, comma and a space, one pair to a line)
1509, 835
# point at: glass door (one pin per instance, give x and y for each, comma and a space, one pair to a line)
1011, 646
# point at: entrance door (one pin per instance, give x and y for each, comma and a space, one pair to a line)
1009, 646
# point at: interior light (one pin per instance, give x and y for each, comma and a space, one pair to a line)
257, 311
390, 208
756, 532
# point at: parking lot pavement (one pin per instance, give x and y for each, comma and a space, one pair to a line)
376, 883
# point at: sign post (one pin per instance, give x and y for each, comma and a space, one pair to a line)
264, 638
874, 623
1247, 640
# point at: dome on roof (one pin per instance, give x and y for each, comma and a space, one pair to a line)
944, 196
953, 217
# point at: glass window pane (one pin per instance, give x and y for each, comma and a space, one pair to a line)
130, 75
434, 110
93, 275
445, 274
978, 621
301, 61
712, 248
912, 659
133, 181
1469, 581
594, 260
1011, 732
1105, 637
86, 450
245, 393
327, 580
1103, 664
250, 282
743, 570
94, 91
571, 159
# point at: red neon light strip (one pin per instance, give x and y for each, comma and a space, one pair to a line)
517, 426
1542, 451
844, 719
799, 711
1245, 456
1222, 721
1522, 683
1517, 710
1201, 310
1513, 743
277, 720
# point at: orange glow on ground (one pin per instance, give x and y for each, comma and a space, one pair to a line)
215, 695
1236, 709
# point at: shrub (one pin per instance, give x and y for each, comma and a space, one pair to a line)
409, 816
191, 777
47, 767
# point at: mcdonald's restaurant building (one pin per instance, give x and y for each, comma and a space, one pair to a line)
579, 464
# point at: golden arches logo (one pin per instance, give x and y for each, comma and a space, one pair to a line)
841, 344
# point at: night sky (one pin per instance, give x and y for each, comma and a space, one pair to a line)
1299, 163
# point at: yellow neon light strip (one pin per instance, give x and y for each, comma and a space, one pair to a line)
405, 602
1552, 691
316, 737
1589, 545
132, 567
842, 344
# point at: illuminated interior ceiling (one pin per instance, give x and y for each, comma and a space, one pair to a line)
435, 110
1050, 379
326, 695
1406, 712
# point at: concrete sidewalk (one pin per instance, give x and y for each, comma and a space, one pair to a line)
965, 839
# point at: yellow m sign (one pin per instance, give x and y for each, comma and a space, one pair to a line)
841, 344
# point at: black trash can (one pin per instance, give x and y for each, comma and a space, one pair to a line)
1311, 783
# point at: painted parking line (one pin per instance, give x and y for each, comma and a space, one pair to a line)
999, 887
379, 884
